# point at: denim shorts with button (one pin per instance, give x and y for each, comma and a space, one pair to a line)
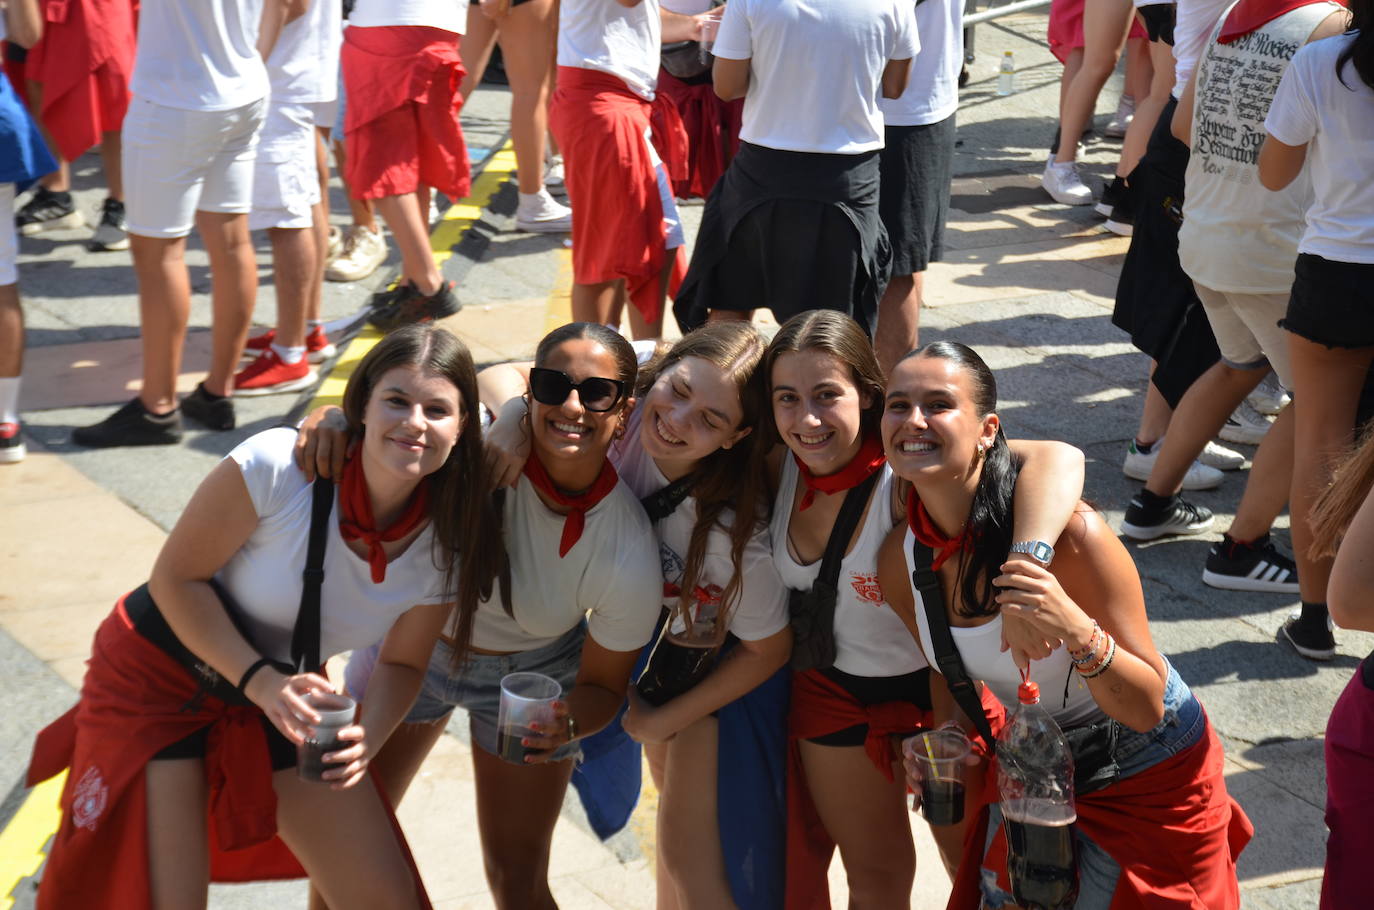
475, 686
1182, 727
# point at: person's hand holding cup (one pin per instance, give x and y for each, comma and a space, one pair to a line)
935, 762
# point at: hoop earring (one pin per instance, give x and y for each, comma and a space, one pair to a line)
982, 452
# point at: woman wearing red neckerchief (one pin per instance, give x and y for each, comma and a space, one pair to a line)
576, 600
826, 391
150, 745
1163, 832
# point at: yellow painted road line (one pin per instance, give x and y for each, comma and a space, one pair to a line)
23, 840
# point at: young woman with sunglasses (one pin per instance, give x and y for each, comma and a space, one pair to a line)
698, 404
826, 391
942, 434
174, 777
575, 599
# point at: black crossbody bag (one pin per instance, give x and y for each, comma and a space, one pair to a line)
149, 622
813, 610
1093, 745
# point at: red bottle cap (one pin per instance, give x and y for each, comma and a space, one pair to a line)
1029, 693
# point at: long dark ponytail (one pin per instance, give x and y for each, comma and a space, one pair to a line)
989, 523
1360, 50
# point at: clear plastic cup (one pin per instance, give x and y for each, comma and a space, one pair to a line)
942, 757
336, 712
526, 698
710, 25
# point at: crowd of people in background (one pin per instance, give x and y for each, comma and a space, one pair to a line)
692, 493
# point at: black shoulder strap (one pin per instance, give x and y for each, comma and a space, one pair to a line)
850, 512
947, 658
305, 640
663, 503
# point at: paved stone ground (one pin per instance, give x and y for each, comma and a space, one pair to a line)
1026, 282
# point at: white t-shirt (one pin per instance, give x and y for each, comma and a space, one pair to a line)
264, 576
870, 639
816, 69
625, 41
1193, 24
980, 648
199, 56
1236, 236
304, 65
611, 576
1337, 122
687, 7
449, 15
760, 606
932, 90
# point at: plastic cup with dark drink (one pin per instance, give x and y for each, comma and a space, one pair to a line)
526, 699
336, 712
942, 756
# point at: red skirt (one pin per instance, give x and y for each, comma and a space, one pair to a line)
1349, 795
401, 123
1065, 32
712, 129
84, 62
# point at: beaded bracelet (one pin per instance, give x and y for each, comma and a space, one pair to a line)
1085, 655
1088, 666
1106, 662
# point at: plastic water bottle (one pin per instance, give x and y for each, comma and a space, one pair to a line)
1035, 776
1006, 74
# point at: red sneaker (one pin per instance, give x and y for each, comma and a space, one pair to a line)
268, 375
318, 347
11, 444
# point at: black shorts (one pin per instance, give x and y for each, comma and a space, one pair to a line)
1332, 302
281, 750
875, 690
917, 164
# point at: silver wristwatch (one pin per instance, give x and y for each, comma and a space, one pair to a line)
1037, 550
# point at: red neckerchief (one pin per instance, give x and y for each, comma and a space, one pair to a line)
1253, 14
929, 534
356, 521
579, 505
870, 458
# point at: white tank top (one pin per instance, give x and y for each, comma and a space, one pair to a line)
981, 649
870, 639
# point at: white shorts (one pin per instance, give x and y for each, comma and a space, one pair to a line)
9, 240
286, 184
1247, 329
178, 162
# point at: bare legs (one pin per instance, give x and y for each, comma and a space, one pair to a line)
899, 318
1148, 107
295, 267
1105, 26
690, 861
408, 222
11, 332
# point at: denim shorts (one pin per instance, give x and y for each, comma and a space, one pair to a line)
1182, 727
475, 686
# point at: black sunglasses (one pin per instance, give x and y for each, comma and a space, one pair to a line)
552, 387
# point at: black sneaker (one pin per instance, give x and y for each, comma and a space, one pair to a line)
48, 211
109, 233
131, 425
1257, 566
413, 307
214, 412
1113, 194
11, 443
1122, 220
1312, 640
1178, 516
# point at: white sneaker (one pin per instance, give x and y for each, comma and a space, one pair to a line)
1062, 182
363, 251
1269, 397
1221, 458
335, 246
540, 213
1138, 465
1245, 426
553, 174
1121, 121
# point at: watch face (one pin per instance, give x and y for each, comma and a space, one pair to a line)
1042, 551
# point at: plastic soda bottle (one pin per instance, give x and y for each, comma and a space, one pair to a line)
1035, 777
1006, 74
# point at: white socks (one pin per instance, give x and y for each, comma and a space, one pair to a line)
9, 399
289, 355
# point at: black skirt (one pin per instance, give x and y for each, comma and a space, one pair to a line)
1155, 300
789, 232
917, 170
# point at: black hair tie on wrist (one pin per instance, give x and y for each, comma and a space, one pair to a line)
248, 674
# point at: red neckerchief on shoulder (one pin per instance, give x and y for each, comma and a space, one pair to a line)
870, 458
929, 534
578, 505
1253, 14
356, 521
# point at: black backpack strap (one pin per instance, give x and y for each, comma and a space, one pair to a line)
663, 503
305, 639
850, 512
946, 655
